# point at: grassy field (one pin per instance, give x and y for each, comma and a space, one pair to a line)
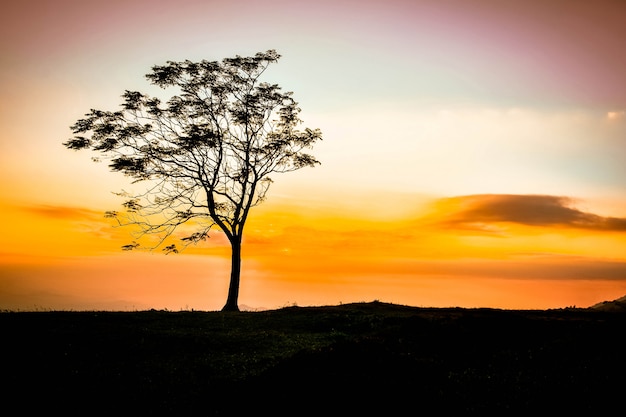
363, 358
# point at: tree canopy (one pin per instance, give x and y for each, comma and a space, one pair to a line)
206, 154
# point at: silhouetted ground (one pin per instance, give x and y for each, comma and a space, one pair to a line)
362, 358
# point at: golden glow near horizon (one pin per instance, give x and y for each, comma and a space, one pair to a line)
471, 157
453, 252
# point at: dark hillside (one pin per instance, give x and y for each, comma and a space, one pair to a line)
618, 305
355, 358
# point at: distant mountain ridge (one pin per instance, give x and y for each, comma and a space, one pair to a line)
618, 305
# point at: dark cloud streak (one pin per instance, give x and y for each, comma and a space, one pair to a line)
531, 210
64, 212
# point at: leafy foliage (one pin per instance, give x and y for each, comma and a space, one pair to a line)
207, 153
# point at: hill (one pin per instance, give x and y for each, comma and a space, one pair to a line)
618, 305
355, 358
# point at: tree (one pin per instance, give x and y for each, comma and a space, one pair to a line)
206, 154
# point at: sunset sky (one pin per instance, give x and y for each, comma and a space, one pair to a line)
473, 153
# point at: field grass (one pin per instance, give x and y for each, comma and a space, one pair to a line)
363, 358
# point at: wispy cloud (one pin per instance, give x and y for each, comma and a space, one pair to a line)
479, 211
63, 212
616, 115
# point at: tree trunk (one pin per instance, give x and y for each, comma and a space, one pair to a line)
235, 275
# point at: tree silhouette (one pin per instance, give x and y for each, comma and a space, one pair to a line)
206, 154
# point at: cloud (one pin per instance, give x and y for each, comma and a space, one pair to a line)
63, 212
616, 115
530, 210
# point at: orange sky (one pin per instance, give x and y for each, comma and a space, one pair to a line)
469, 251
472, 154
